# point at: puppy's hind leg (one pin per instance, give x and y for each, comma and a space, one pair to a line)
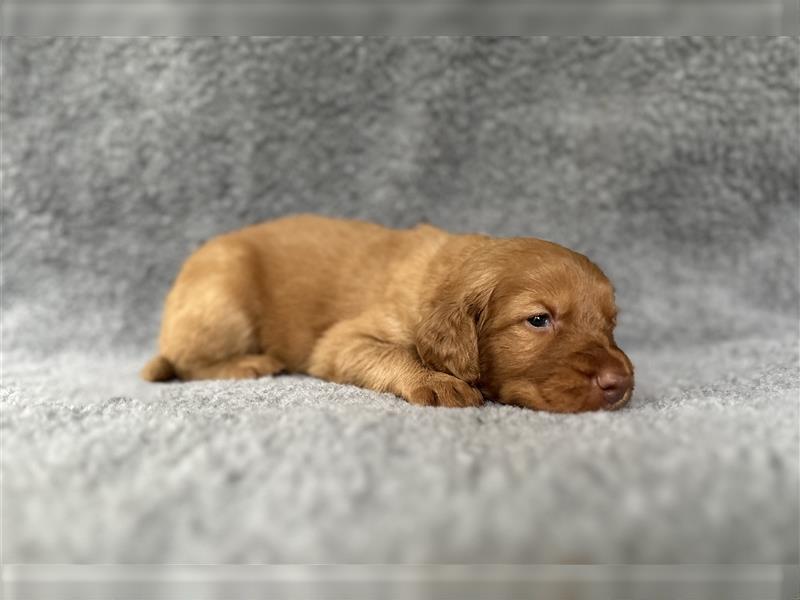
212, 315
221, 344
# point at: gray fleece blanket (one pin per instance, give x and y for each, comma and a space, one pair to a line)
672, 163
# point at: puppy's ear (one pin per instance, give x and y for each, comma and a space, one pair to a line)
447, 335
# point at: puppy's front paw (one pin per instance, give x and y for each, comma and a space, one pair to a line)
440, 389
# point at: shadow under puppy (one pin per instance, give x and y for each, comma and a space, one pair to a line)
436, 318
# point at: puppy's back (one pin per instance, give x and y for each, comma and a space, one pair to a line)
316, 271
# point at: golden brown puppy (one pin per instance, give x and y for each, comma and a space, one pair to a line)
436, 318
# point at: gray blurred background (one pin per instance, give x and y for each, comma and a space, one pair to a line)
400, 17
673, 163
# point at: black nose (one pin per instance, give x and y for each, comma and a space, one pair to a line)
614, 383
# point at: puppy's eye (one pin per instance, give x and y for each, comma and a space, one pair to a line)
540, 321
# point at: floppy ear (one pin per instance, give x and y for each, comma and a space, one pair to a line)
447, 335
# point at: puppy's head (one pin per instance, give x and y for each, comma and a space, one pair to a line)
531, 323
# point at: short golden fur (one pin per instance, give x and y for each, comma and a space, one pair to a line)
436, 318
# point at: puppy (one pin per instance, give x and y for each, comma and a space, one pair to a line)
435, 318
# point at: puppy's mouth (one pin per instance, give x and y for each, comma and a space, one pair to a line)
589, 403
622, 401
535, 398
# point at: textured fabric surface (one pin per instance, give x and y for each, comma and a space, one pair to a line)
673, 164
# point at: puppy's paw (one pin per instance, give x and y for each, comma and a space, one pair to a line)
248, 366
259, 365
440, 389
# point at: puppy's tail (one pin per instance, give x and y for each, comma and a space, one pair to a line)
158, 369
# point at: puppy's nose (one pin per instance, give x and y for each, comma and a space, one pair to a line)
614, 383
